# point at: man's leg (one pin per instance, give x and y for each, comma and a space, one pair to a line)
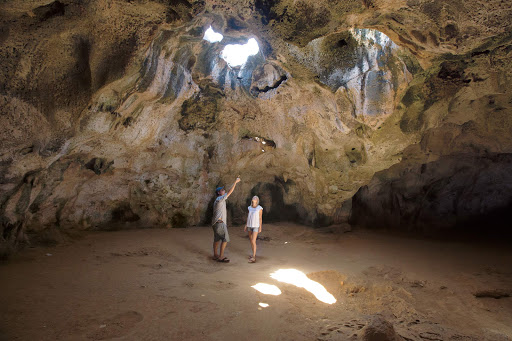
215, 247
222, 248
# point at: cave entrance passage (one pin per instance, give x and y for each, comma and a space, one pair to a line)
234, 54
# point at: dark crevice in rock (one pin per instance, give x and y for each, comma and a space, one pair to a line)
4, 34
419, 36
99, 165
50, 10
478, 53
264, 8
451, 31
124, 213
178, 10
128, 122
368, 3
342, 43
171, 16
27, 150
80, 73
10, 229
52, 178
264, 141
179, 220
178, 3
236, 24
451, 70
312, 159
496, 294
277, 83
210, 151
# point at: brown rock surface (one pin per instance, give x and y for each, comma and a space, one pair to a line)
379, 329
118, 113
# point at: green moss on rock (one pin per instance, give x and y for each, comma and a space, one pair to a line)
200, 111
339, 49
413, 118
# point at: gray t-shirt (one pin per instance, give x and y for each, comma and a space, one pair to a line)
219, 209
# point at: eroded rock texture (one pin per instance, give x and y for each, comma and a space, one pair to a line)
117, 113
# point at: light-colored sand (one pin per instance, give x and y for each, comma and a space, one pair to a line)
162, 285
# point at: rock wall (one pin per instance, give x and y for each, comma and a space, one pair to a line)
458, 175
118, 114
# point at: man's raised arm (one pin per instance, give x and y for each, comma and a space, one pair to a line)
232, 187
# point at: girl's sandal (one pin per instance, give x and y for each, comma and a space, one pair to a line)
252, 260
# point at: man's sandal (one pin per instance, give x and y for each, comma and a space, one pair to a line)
223, 260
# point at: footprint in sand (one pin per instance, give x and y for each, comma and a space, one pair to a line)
116, 326
156, 266
218, 285
221, 285
343, 331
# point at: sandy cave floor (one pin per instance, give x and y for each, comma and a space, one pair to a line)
162, 285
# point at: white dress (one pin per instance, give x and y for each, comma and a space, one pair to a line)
253, 219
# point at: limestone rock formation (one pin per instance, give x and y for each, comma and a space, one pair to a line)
118, 113
458, 174
379, 329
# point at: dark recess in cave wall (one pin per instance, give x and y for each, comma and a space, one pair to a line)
271, 199
457, 196
121, 217
274, 207
264, 8
52, 9
113, 65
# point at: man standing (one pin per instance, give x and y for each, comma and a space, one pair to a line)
219, 222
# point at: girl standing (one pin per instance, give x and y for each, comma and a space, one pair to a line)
253, 226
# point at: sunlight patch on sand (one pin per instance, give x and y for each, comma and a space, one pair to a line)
267, 289
299, 279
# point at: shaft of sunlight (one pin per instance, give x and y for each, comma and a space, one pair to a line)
299, 279
212, 36
236, 54
267, 289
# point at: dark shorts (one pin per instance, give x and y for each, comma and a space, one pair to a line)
220, 232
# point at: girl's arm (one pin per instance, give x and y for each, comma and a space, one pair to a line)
261, 219
245, 228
